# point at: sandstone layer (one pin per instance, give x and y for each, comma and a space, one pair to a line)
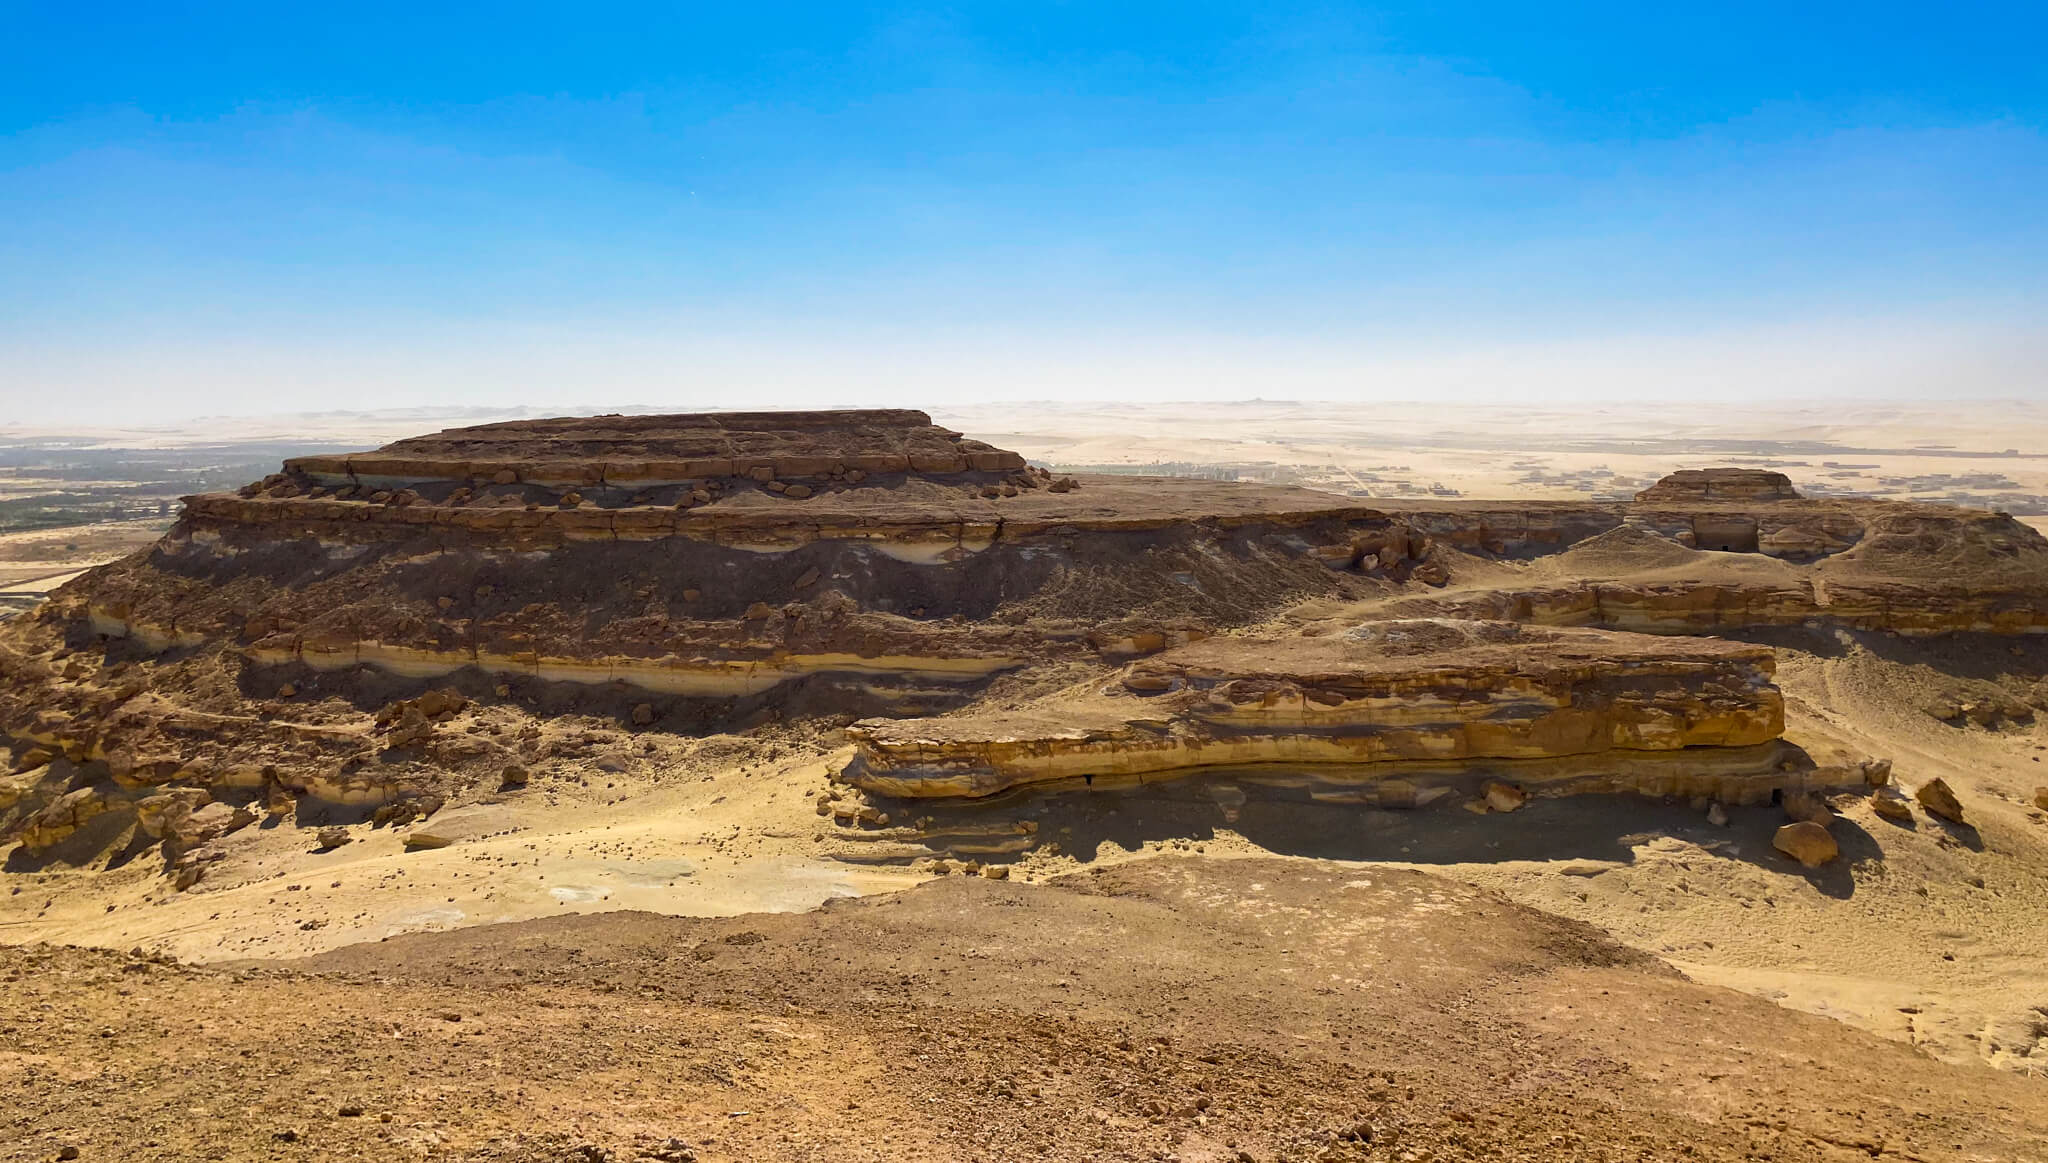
1419, 691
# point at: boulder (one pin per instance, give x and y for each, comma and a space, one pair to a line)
331, 838
1504, 797
157, 815
208, 822
1892, 808
1807, 842
1935, 796
60, 820
1804, 805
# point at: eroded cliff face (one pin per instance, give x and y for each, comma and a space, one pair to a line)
698, 574
1377, 693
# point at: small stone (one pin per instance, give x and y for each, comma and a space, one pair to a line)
502, 690
350, 1110
809, 579
332, 838
692, 594
417, 841
1802, 805
571, 500
797, 492
1807, 842
996, 871
777, 487
1504, 797
764, 474
1892, 808
67, 1151
1877, 772
513, 776
287, 690
643, 715
1717, 815
1935, 796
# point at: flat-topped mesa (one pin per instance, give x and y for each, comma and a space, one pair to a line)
642, 451
1722, 484
1405, 692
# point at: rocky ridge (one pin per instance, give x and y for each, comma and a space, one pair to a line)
1435, 693
685, 575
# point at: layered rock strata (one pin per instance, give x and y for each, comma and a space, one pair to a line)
1378, 693
1722, 484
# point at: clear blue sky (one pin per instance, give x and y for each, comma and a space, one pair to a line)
240, 208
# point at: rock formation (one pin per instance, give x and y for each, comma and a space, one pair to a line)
1721, 484
371, 631
1415, 691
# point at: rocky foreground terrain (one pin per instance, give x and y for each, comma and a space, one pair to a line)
1172, 1009
1157, 759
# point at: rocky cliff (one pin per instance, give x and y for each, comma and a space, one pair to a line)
1422, 691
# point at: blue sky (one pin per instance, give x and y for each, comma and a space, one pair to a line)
242, 208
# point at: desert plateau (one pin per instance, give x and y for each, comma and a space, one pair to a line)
1092, 783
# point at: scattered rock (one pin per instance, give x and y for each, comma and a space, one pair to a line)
505, 476
1717, 815
420, 840
1504, 797
797, 492
996, 871
1892, 808
1807, 842
1804, 805
332, 838
514, 776
157, 815
1935, 796
1877, 772
643, 715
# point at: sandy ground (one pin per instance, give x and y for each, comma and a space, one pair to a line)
34, 562
1200, 1011
1489, 451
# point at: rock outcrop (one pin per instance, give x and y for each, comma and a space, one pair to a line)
356, 632
1721, 484
1416, 691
